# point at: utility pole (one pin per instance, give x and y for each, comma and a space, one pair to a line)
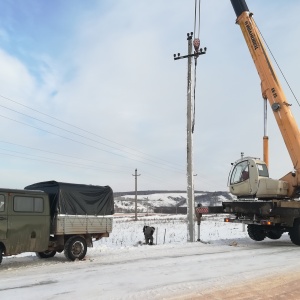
190, 179
135, 211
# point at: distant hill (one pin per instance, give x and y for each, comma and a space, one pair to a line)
166, 201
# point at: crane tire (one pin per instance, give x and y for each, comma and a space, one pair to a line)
1, 254
274, 234
256, 233
294, 233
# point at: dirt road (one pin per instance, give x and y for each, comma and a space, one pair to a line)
278, 287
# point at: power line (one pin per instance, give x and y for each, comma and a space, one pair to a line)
73, 164
55, 153
147, 174
64, 163
69, 124
77, 134
91, 146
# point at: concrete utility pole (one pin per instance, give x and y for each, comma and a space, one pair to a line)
135, 211
190, 179
189, 150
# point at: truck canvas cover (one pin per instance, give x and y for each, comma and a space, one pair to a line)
76, 199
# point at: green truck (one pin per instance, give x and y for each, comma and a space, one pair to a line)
50, 217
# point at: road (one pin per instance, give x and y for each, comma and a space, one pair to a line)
185, 271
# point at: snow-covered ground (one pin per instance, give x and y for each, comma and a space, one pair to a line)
170, 229
148, 201
119, 267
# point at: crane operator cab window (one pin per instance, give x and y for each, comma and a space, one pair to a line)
262, 170
240, 172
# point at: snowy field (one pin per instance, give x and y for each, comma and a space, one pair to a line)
119, 267
169, 229
148, 202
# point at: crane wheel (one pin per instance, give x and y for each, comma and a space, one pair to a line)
1, 254
295, 233
274, 234
256, 233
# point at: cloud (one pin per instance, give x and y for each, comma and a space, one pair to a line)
114, 76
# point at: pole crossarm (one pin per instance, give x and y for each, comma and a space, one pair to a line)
195, 54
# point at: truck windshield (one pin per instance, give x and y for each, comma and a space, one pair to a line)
240, 172
262, 170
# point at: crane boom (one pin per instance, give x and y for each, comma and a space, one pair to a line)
271, 90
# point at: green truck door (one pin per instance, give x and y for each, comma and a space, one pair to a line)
3, 218
24, 221
29, 223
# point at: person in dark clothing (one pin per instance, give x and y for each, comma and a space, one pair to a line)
148, 232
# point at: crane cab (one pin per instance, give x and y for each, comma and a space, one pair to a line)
249, 178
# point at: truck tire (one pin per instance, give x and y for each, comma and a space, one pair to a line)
295, 233
45, 254
274, 234
75, 248
256, 233
1, 254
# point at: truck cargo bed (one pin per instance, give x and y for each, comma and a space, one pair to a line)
79, 224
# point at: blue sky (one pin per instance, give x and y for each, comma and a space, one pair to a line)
107, 69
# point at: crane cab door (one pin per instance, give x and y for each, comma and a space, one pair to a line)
3, 217
239, 181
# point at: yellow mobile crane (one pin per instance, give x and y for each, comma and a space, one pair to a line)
258, 184
269, 207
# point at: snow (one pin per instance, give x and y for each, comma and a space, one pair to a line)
160, 199
148, 201
119, 267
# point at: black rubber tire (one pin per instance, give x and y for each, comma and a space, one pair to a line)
1, 254
45, 254
295, 233
75, 248
256, 233
274, 234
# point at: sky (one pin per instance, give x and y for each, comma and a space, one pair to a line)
89, 91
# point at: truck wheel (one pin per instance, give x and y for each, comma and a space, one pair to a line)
1, 254
256, 233
295, 233
45, 254
75, 248
274, 234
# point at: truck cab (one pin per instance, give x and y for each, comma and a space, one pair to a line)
24, 221
249, 178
